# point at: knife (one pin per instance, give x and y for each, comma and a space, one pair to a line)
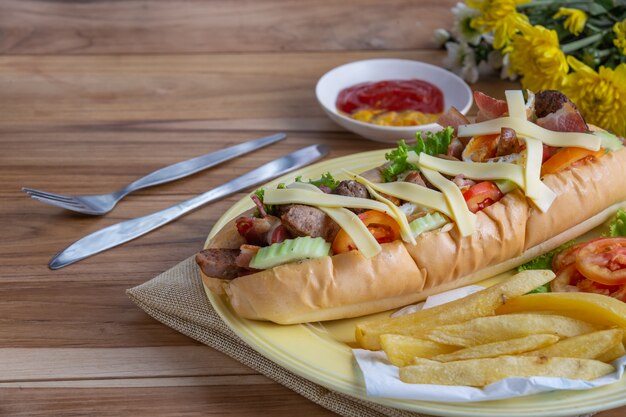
119, 233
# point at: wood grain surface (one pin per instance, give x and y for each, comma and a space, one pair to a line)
199, 26
95, 94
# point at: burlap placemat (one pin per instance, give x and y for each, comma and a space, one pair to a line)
176, 298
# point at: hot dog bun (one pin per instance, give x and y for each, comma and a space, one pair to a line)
509, 233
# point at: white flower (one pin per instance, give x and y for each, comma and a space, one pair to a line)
506, 73
461, 28
501, 62
441, 36
462, 61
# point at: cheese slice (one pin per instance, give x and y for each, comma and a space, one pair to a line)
348, 221
412, 193
515, 103
312, 198
539, 193
526, 128
465, 219
399, 216
476, 170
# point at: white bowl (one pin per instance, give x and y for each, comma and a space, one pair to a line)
455, 92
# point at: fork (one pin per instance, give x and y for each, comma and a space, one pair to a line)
99, 204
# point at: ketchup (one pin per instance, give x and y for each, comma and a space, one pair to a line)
391, 95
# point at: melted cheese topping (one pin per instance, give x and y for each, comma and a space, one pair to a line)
312, 198
348, 221
535, 190
465, 219
411, 192
525, 128
400, 217
476, 170
515, 103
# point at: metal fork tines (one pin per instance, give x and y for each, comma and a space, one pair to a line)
87, 204
103, 203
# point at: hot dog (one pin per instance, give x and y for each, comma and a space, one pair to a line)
520, 225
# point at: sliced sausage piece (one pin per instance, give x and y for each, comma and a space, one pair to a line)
301, 220
415, 177
508, 142
350, 188
220, 263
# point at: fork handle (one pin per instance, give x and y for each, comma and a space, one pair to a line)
197, 164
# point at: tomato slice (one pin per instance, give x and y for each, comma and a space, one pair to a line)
565, 157
382, 226
603, 260
481, 195
568, 255
568, 279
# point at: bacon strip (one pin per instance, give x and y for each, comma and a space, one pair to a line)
488, 107
566, 119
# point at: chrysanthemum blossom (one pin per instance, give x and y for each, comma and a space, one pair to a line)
600, 96
536, 56
620, 35
462, 61
462, 26
500, 17
575, 19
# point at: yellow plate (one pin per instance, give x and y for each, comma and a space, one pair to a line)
320, 352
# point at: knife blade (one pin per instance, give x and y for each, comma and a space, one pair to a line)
117, 234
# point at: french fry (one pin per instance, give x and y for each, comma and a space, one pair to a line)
402, 349
613, 353
491, 329
594, 308
481, 372
505, 347
479, 304
585, 346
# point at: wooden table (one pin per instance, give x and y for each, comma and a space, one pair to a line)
95, 94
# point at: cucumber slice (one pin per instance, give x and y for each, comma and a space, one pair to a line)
290, 250
426, 223
609, 142
505, 186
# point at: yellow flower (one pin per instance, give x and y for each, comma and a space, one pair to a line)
536, 56
499, 16
600, 96
575, 19
620, 35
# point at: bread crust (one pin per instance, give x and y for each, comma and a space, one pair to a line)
509, 233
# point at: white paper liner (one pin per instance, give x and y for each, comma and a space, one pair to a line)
382, 378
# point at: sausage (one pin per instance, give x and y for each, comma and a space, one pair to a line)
220, 263
301, 220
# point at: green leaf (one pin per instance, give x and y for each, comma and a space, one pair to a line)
618, 225
269, 209
397, 162
544, 261
327, 179
433, 143
543, 288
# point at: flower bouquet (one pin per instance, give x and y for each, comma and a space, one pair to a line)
576, 46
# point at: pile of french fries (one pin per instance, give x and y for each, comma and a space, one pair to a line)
502, 331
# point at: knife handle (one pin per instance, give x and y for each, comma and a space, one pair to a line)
197, 164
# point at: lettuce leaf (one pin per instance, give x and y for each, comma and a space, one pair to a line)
618, 225
433, 143
544, 261
397, 162
327, 179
